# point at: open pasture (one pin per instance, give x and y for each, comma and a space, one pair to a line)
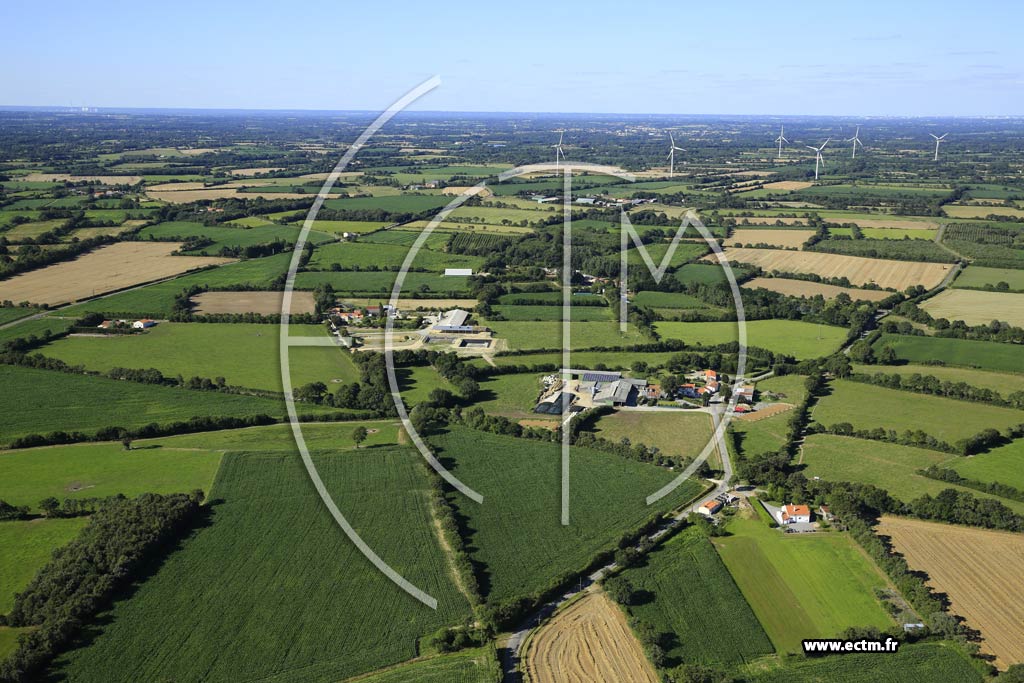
960, 211
361, 255
244, 354
107, 269
792, 337
25, 546
989, 600
866, 406
1005, 384
802, 585
1004, 464
548, 335
805, 288
32, 397
987, 355
913, 663
858, 270
977, 277
976, 307
680, 433
587, 640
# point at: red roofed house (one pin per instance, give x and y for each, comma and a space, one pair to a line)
794, 514
710, 376
710, 507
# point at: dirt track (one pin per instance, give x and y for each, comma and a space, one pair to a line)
588, 642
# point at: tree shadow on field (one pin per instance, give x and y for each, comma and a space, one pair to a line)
466, 532
96, 626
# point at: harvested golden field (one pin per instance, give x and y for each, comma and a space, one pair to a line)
770, 220
777, 238
976, 307
63, 177
859, 270
107, 269
588, 642
898, 223
788, 185
978, 569
185, 196
809, 289
176, 187
457, 190
264, 303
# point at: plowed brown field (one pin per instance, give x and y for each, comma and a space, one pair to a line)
979, 569
588, 642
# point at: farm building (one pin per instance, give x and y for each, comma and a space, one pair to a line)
653, 392
552, 404
458, 272
143, 324
746, 393
794, 514
710, 507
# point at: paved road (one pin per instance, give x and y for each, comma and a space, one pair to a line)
511, 654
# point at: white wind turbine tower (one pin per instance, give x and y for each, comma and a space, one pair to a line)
558, 150
818, 159
856, 141
938, 141
781, 138
672, 155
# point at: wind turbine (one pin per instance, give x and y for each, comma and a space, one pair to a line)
781, 138
856, 141
938, 141
818, 159
558, 150
672, 155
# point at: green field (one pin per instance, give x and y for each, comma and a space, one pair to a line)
548, 335
770, 434
245, 354
1004, 384
466, 666
680, 432
407, 203
39, 327
25, 546
976, 277
667, 300
973, 354
516, 536
690, 594
613, 360
887, 233
888, 466
416, 383
8, 314
789, 337
509, 395
382, 282
32, 397
273, 581
548, 313
1004, 464
866, 406
338, 227
350, 255
223, 236
319, 436
802, 585
914, 663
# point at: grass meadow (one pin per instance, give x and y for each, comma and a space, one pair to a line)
244, 354
791, 337
548, 335
802, 585
914, 663
866, 406
888, 466
25, 546
680, 432
986, 355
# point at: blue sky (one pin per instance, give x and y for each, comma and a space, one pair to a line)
869, 58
